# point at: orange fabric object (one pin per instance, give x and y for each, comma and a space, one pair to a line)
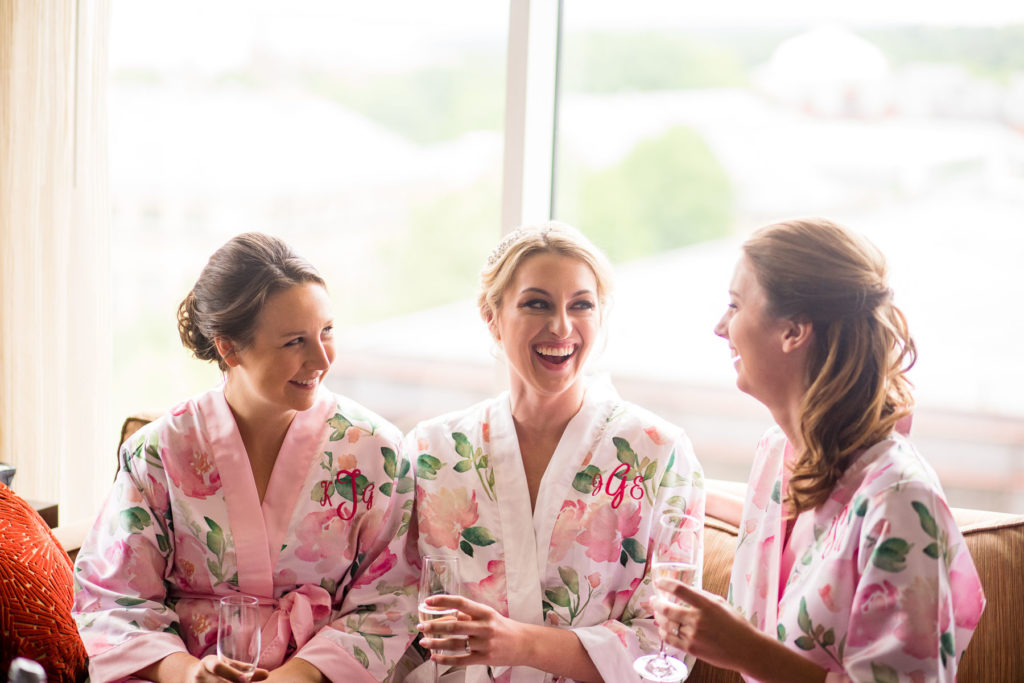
36, 594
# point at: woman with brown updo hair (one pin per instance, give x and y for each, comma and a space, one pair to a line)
849, 566
269, 486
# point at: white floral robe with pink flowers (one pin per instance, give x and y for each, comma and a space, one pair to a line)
324, 552
579, 560
882, 586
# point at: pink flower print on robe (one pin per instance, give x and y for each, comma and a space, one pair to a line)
445, 514
381, 566
136, 571
967, 592
761, 586
654, 435
322, 539
836, 595
195, 475
200, 628
605, 528
190, 558
156, 493
876, 610
762, 492
491, 589
566, 529
616, 601
369, 527
925, 619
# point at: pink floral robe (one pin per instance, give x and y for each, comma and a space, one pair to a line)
578, 560
882, 586
183, 526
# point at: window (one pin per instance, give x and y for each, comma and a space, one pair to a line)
368, 136
682, 129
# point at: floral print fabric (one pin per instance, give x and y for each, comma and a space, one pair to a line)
579, 559
882, 589
324, 552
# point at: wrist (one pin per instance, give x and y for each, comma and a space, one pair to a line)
766, 659
527, 638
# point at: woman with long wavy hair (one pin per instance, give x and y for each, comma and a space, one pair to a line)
849, 565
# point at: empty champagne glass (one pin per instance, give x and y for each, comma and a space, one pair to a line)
440, 576
238, 632
675, 556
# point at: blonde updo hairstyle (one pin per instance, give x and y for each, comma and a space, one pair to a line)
551, 237
856, 374
232, 289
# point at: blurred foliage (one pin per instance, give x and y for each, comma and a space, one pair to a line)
993, 52
602, 61
430, 104
669, 191
638, 61
439, 260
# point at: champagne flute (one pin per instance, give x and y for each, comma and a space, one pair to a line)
675, 557
238, 632
440, 576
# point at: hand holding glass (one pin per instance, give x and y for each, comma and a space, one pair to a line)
238, 632
440, 576
675, 556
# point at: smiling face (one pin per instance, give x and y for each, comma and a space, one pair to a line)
765, 367
291, 350
547, 323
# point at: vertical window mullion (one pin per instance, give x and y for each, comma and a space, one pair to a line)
530, 98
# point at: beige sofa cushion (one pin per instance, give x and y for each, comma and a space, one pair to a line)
719, 548
996, 542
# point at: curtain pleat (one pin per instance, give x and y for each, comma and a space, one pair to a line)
55, 339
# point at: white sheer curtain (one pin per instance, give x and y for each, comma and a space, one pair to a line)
55, 339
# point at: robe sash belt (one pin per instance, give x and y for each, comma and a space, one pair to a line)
299, 615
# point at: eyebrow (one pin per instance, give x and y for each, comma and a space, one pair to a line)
546, 293
300, 333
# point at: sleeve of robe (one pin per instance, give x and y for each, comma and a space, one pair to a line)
120, 601
614, 645
918, 597
376, 620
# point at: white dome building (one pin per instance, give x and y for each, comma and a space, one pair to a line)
828, 71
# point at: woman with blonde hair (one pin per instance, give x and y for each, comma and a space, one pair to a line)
548, 494
849, 566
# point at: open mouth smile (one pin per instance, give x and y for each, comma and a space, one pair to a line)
555, 354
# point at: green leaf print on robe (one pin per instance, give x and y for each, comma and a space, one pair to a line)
354, 624
217, 545
639, 471
815, 635
135, 520
475, 536
404, 483
340, 425
891, 555
939, 547
883, 673
565, 602
474, 459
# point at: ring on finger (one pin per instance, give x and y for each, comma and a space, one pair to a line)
675, 629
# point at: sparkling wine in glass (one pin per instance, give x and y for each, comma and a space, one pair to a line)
675, 556
238, 632
440, 576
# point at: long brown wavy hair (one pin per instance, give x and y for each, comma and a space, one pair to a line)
856, 373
